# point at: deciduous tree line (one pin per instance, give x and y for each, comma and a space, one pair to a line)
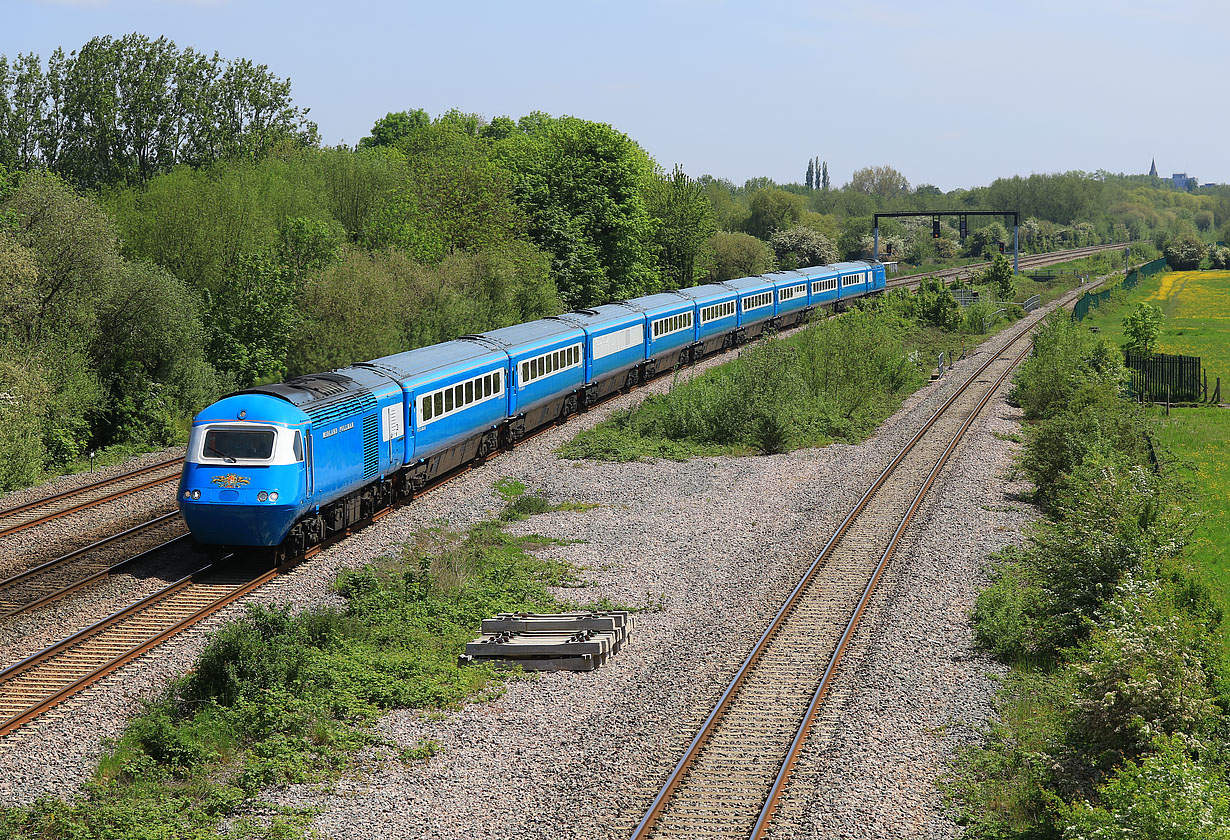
171, 227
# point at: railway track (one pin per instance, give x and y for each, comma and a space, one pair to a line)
36, 684
730, 777
49, 581
47, 509
910, 281
31, 687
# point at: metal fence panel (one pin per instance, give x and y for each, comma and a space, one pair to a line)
1162, 377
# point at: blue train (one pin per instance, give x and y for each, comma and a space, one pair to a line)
294, 463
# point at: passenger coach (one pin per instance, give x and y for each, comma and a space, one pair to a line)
292, 463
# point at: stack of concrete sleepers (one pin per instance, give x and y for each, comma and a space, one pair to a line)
580, 641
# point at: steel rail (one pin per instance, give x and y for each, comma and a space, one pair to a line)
783, 775
707, 728
119, 494
116, 620
51, 566
86, 488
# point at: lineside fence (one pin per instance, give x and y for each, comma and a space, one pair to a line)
1092, 300
1162, 377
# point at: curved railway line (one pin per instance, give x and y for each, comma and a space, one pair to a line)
731, 776
910, 281
36, 684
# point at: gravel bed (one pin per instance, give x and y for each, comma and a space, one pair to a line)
912, 687
710, 545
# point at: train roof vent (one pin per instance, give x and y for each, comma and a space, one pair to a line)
322, 384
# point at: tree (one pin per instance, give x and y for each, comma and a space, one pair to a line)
999, 277
120, 110
802, 246
882, 181
985, 241
394, 127
250, 316
75, 252
1185, 251
811, 174
581, 188
1142, 327
824, 176
738, 255
685, 221
773, 209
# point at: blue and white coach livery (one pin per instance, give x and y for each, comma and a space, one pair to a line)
290, 464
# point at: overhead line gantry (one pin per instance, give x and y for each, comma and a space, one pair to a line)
935, 226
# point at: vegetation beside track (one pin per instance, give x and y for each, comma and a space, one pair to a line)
1112, 720
837, 379
282, 697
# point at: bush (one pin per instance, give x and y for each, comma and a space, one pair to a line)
1166, 796
835, 379
1093, 422
1185, 251
1065, 358
936, 306
1141, 675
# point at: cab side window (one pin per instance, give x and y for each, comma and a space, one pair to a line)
298, 445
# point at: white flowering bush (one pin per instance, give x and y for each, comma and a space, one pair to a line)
1142, 675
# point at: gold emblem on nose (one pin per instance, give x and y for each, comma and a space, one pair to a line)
231, 480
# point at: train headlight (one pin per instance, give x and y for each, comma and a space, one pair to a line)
273, 496
261, 496
196, 494
187, 494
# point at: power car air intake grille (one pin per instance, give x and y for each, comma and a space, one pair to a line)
344, 408
371, 450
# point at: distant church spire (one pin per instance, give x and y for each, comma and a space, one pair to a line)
1153, 169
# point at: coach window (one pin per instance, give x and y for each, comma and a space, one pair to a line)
495, 381
448, 400
439, 401
425, 409
469, 392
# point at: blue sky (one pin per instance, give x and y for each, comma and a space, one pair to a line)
950, 93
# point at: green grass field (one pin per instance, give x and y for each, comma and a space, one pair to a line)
1200, 437
1197, 309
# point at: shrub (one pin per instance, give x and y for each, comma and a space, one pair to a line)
1141, 675
1093, 421
1065, 358
1166, 796
935, 305
1185, 251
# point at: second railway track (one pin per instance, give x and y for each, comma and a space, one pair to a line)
40, 511
729, 779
